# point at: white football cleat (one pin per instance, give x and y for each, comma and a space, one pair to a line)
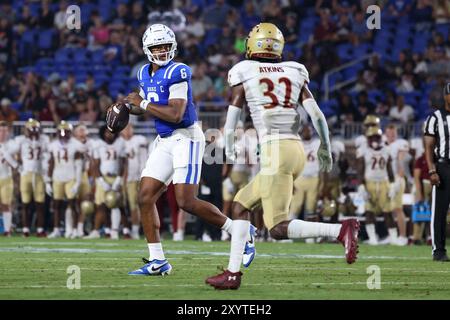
55, 234
206, 237
114, 235
310, 240
225, 236
400, 241
93, 235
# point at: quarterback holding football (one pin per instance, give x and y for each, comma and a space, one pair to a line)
177, 152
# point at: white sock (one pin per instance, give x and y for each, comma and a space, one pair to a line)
68, 218
7, 221
126, 231
135, 229
25, 229
304, 229
228, 225
156, 251
56, 230
238, 239
115, 218
40, 230
80, 228
393, 233
108, 230
370, 228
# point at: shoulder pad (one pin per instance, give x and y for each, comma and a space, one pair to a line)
239, 72
178, 72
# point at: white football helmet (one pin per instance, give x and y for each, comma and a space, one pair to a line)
158, 34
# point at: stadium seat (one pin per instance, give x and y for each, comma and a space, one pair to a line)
46, 39
97, 56
80, 55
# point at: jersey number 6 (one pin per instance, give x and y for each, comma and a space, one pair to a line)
269, 92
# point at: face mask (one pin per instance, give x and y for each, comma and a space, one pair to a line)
375, 144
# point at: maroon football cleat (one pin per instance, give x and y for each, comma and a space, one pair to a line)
7, 234
42, 234
348, 236
225, 280
127, 236
26, 234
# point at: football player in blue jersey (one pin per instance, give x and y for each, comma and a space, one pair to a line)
165, 93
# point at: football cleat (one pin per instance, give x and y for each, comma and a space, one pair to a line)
93, 235
249, 250
41, 234
153, 268
225, 280
54, 234
7, 234
348, 236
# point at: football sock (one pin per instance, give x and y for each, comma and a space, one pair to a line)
56, 230
115, 219
135, 229
370, 228
25, 229
126, 231
40, 230
107, 230
156, 251
238, 239
68, 220
7, 219
304, 229
393, 233
228, 225
80, 228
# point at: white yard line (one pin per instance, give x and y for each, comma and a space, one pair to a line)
28, 249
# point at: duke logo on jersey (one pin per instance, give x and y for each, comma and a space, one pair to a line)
155, 88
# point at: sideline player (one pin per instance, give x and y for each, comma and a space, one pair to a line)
306, 186
108, 167
65, 170
398, 149
33, 156
135, 145
177, 153
374, 164
85, 204
7, 162
273, 90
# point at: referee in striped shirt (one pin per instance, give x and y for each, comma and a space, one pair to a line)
437, 153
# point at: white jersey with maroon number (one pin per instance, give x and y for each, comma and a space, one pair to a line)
134, 149
375, 163
312, 162
337, 148
5, 152
64, 158
272, 92
110, 156
33, 153
394, 149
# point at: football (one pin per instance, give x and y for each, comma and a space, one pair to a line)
117, 117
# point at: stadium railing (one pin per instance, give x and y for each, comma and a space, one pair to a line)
347, 131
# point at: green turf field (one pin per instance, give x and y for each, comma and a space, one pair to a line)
37, 269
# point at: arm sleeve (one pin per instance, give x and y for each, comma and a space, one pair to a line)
233, 115
178, 90
318, 120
